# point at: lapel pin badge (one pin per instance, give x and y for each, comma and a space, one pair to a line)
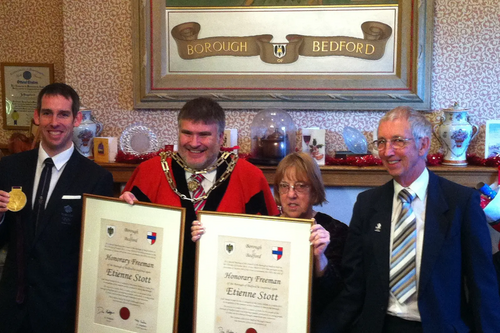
378, 227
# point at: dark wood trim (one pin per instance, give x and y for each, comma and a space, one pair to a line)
352, 176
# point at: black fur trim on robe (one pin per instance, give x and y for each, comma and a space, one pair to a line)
188, 266
256, 204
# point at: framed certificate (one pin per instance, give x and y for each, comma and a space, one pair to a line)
253, 274
129, 266
20, 87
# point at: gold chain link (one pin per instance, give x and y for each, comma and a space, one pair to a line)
174, 156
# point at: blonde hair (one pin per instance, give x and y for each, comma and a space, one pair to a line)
305, 169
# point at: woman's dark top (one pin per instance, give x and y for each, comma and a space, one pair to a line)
326, 287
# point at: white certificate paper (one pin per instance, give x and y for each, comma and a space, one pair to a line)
129, 267
129, 275
253, 286
253, 274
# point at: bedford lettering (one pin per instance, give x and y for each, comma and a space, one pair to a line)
343, 46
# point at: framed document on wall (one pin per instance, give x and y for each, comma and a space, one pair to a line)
21, 83
253, 274
331, 55
129, 266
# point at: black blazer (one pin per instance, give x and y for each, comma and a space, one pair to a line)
50, 256
456, 256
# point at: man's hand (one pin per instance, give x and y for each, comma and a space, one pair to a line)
128, 197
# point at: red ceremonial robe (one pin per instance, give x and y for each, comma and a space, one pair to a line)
246, 191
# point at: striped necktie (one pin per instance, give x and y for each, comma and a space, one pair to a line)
403, 279
198, 192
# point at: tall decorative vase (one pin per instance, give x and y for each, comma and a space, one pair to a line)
455, 132
84, 134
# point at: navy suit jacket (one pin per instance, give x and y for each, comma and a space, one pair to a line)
51, 256
457, 290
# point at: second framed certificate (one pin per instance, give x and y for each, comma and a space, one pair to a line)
253, 274
20, 87
129, 269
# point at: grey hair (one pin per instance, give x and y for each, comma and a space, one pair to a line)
419, 125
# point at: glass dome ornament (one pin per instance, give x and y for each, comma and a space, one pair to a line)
273, 136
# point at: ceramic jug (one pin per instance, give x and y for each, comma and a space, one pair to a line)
84, 134
455, 132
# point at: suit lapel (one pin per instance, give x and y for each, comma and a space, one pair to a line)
380, 229
27, 180
71, 171
435, 230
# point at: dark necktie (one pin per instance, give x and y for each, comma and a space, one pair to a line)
43, 190
403, 279
198, 192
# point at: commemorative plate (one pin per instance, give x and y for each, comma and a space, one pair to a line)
138, 139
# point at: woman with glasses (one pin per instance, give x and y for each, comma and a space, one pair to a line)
298, 187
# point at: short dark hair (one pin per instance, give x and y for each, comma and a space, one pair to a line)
203, 109
306, 169
62, 89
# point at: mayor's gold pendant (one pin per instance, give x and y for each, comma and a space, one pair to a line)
17, 199
193, 185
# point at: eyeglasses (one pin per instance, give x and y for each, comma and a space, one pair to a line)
298, 187
396, 143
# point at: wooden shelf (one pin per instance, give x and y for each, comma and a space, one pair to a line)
352, 176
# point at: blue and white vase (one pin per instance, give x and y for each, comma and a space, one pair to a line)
84, 134
455, 133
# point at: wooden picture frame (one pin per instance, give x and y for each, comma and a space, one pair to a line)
159, 84
130, 266
21, 83
253, 274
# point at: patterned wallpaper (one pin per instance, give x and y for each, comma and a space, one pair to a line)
31, 31
90, 44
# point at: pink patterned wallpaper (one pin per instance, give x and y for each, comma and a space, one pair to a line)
31, 31
90, 44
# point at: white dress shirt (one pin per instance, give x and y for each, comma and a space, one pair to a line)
207, 182
60, 160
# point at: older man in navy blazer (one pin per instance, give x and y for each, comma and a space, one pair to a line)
446, 281
39, 282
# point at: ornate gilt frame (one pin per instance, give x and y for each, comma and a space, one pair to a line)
410, 86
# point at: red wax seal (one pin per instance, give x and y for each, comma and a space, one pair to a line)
124, 313
251, 330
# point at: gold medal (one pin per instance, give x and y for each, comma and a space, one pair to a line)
193, 185
17, 199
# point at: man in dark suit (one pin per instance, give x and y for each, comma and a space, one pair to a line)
39, 283
436, 274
